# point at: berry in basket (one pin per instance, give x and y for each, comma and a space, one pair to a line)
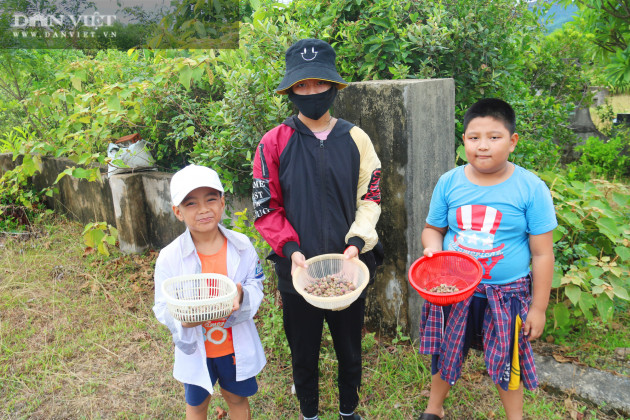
435, 278
321, 270
331, 285
444, 288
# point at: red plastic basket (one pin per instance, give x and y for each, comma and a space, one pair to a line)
445, 267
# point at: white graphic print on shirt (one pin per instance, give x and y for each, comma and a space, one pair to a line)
477, 225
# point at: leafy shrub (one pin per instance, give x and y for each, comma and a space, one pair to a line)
100, 235
602, 159
605, 114
20, 202
249, 106
554, 66
22, 72
91, 100
605, 25
542, 118
538, 155
27, 151
591, 245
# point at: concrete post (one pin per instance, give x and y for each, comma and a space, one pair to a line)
162, 225
411, 123
144, 214
129, 208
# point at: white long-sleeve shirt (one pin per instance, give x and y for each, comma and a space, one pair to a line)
180, 258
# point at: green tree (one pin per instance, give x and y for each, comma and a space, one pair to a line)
22, 72
606, 23
199, 24
488, 48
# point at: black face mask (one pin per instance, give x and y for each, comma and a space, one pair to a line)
314, 106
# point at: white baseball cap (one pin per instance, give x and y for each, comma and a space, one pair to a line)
192, 177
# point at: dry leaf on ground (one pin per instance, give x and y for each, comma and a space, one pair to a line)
564, 359
475, 377
572, 407
88, 251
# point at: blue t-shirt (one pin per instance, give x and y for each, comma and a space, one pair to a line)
493, 223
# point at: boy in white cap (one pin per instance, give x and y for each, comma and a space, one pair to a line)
228, 350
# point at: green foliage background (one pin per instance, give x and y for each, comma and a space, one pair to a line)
604, 24
212, 107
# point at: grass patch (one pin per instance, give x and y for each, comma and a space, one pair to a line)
71, 337
78, 340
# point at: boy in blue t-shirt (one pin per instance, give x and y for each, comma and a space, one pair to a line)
502, 215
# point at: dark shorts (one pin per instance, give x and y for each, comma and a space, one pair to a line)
473, 336
222, 369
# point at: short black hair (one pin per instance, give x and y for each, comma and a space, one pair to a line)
495, 108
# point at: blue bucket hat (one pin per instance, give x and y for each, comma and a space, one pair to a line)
310, 59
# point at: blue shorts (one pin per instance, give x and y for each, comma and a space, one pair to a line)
473, 336
223, 369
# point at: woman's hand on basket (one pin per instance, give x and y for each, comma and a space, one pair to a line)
238, 299
351, 252
297, 260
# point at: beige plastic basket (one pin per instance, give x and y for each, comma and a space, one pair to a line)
199, 297
327, 264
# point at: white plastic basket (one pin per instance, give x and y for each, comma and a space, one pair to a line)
199, 297
329, 264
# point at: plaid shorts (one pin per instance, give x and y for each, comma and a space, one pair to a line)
473, 337
506, 305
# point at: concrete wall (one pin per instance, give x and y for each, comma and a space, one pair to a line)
143, 213
78, 198
6, 162
411, 123
137, 204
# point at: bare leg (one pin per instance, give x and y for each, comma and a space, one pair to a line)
439, 392
198, 412
239, 406
512, 402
